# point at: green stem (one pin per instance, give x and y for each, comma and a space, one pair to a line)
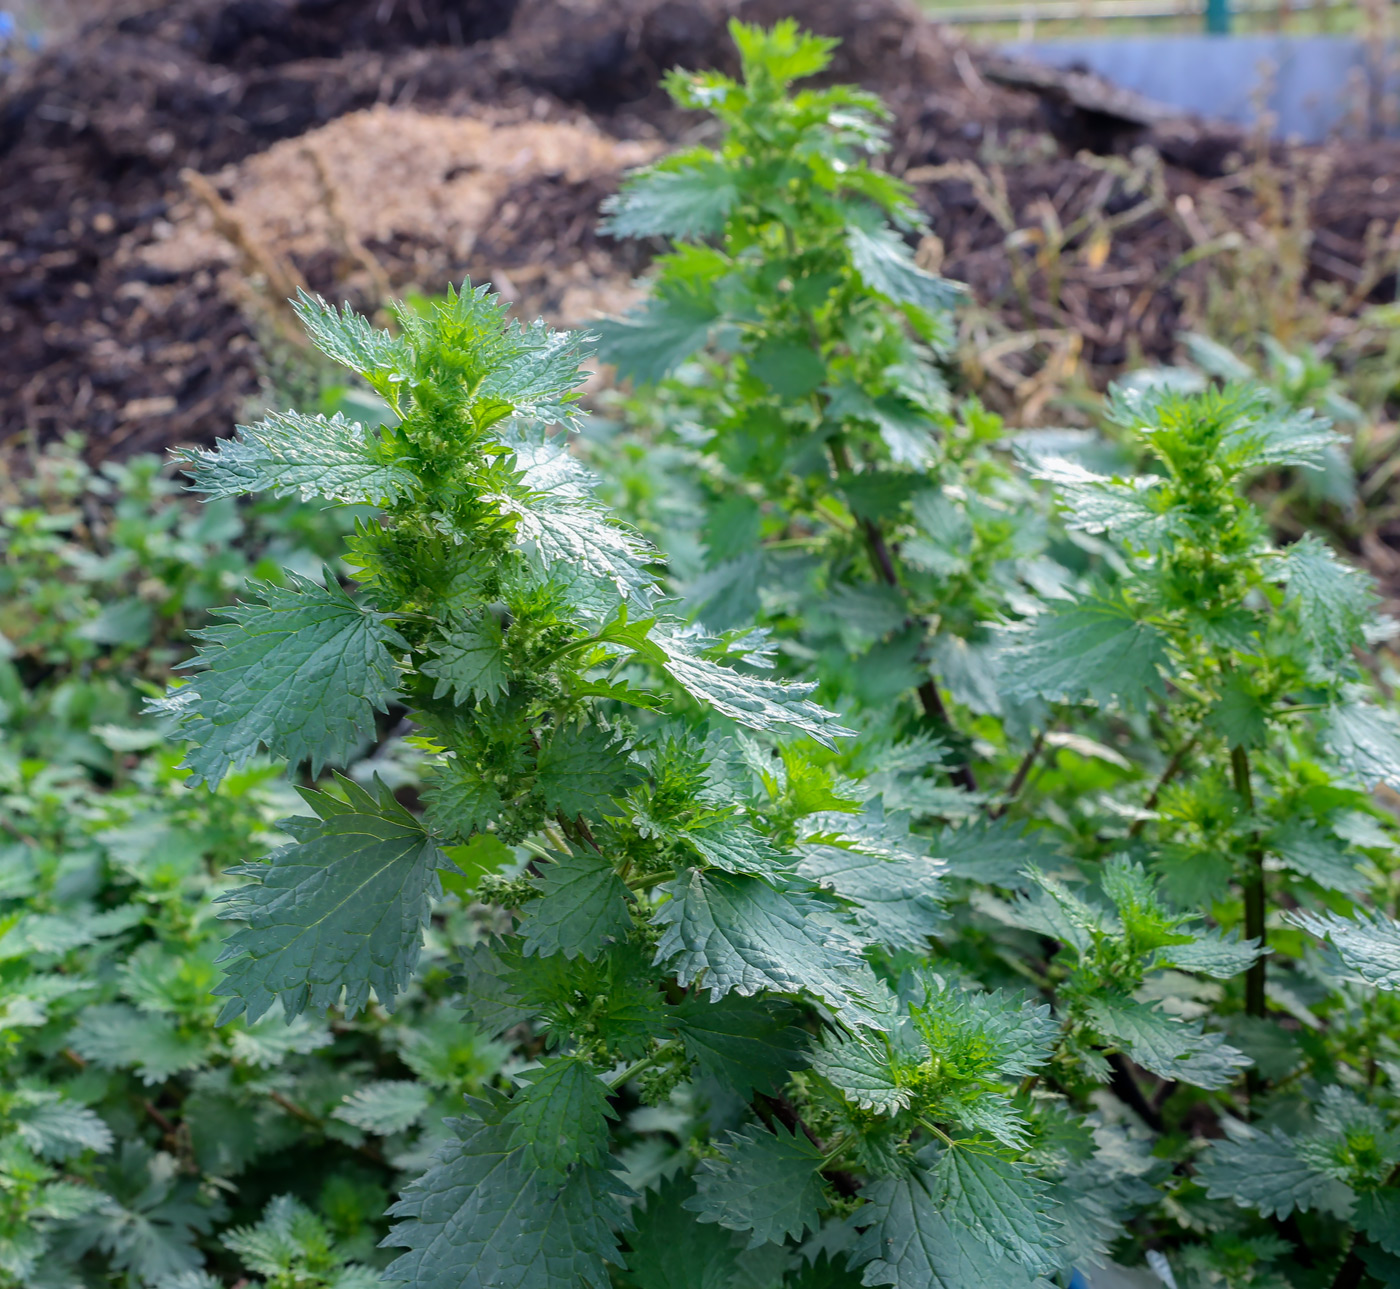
626, 1076
883, 562
1254, 893
1172, 770
650, 880
1022, 773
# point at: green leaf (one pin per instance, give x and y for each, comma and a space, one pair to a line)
536, 371
470, 661
887, 267
906, 431
1278, 437
898, 901
55, 1127
993, 851
736, 847
747, 1044
290, 454
733, 932
907, 1242
1377, 1217
354, 342
459, 801
1000, 1203
1094, 650
301, 674
683, 197
581, 769
648, 344
1335, 601
754, 701
481, 1218
1168, 1047
1368, 944
1239, 716
386, 1107
559, 1117
859, 1069
565, 529
766, 1183
1261, 1170
583, 906
1132, 510
341, 910
791, 369
116, 1037
1316, 853
1365, 741
1212, 953
672, 1250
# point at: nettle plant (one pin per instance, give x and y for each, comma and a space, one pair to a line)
1244, 662
796, 345
673, 913
1174, 714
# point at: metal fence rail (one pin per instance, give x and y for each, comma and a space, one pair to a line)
1098, 10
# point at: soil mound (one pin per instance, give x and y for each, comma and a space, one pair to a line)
322, 137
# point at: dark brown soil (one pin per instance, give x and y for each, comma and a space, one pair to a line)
95, 134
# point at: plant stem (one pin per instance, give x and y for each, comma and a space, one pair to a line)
631, 1072
1172, 770
1254, 1002
1022, 774
883, 562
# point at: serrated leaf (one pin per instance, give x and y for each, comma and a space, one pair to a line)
683, 197
479, 1218
1278, 437
898, 901
290, 454
386, 1107
583, 906
766, 1183
537, 372
1377, 1217
1132, 509
994, 851
906, 431
1168, 1047
736, 847
341, 910
670, 1249
1212, 953
301, 674
1365, 740
753, 701
648, 344
887, 266
1261, 1170
908, 1243
459, 801
115, 1037
57, 1128
559, 1117
1093, 650
1335, 601
353, 341
859, 1068
564, 528
1368, 943
747, 1044
731, 932
1314, 852
1002, 1204
470, 660
581, 769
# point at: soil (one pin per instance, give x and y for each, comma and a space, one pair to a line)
173, 166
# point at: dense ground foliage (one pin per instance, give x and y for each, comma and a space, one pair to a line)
917, 853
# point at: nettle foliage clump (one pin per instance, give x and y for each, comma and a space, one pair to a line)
795, 345
1165, 728
674, 912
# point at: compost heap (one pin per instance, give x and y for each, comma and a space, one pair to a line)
176, 168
